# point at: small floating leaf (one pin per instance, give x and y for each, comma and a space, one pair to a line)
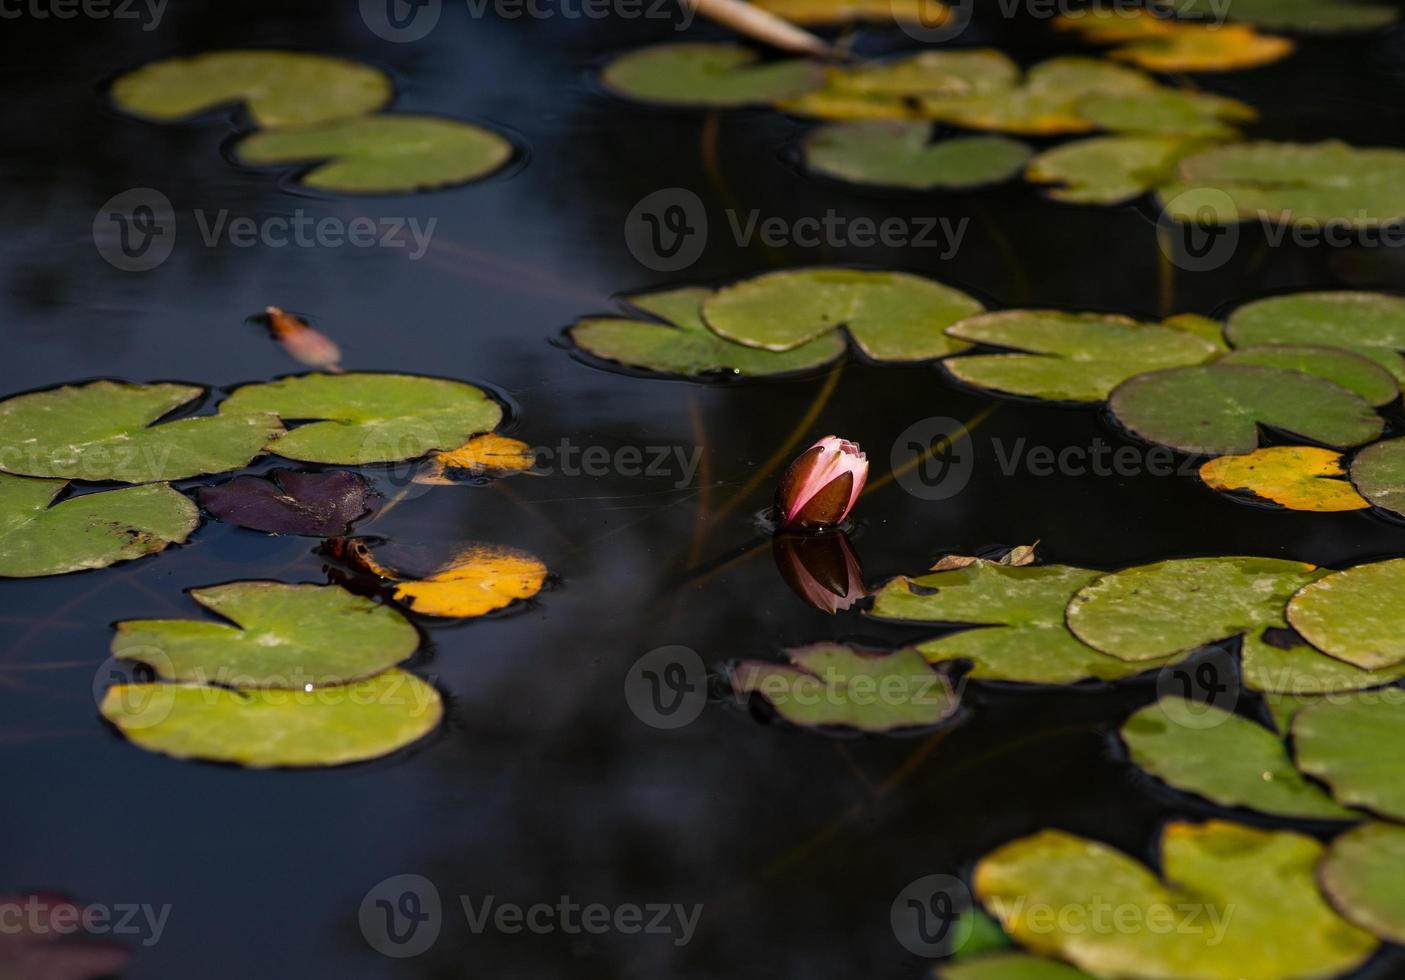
1107, 169
829, 684
1153, 611
891, 89
382, 154
1279, 663
708, 75
330, 726
1167, 112
1162, 44
38, 537
479, 580
1296, 183
1363, 875
1072, 356
283, 636
1217, 409
1295, 477
289, 502
1256, 908
1308, 16
1354, 372
1348, 742
684, 345
892, 316
1019, 612
1357, 615
1379, 473
487, 455
1231, 761
110, 430
1008, 966
279, 88
900, 154
353, 419
1371, 324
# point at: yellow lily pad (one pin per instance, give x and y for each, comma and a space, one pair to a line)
1160, 43
488, 454
1295, 477
479, 580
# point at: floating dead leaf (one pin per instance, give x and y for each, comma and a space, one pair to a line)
1160, 43
478, 580
1014, 558
484, 455
303, 344
1295, 477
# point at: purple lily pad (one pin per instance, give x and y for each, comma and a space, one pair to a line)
291, 502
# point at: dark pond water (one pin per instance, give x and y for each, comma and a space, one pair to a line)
543, 783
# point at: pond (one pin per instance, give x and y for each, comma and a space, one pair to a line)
550, 780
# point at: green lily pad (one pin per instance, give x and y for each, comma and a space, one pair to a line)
279, 88
1293, 183
1019, 612
1154, 611
1370, 324
1008, 966
890, 89
707, 75
1217, 409
892, 316
682, 344
901, 154
1357, 615
1348, 742
1378, 471
1077, 357
330, 726
1308, 16
1167, 112
391, 153
1279, 662
352, 419
832, 685
1352, 371
91, 531
1107, 169
1231, 761
110, 430
1363, 876
283, 636
1236, 902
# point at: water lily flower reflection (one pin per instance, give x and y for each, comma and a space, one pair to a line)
822, 569
820, 488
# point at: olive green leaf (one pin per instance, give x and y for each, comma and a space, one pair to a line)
1355, 372
329, 726
1348, 742
1257, 909
110, 430
1378, 471
682, 344
892, 316
828, 684
1308, 16
1071, 356
901, 154
1218, 409
1019, 615
38, 537
1230, 761
1167, 112
390, 153
891, 89
1295, 477
1279, 662
1356, 615
1107, 169
282, 636
353, 419
1008, 966
1371, 324
707, 75
1295, 183
279, 88
928, 13
1154, 611
1363, 876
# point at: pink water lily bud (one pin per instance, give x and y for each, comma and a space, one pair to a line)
822, 485
822, 569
